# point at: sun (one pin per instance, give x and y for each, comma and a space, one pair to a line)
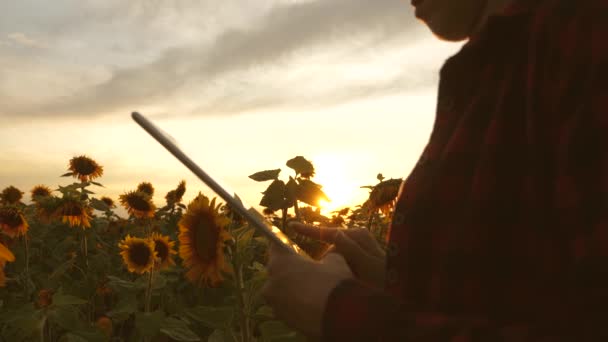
332, 173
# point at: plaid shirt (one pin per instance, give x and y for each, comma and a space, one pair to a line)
500, 232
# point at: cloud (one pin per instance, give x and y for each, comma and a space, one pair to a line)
287, 35
22, 39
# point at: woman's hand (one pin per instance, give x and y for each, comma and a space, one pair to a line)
297, 288
358, 246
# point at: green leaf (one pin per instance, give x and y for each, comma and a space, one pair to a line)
301, 166
178, 330
267, 175
220, 336
310, 192
66, 317
118, 284
291, 190
88, 335
244, 239
69, 174
274, 196
159, 282
69, 337
98, 184
99, 205
149, 323
60, 299
278, 331
212, 317
123, 309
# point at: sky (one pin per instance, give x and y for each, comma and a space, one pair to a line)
243, 86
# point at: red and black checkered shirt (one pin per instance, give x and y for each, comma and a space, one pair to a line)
500, 232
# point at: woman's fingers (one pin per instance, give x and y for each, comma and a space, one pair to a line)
324, 234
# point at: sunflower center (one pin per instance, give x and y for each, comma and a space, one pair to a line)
84, 167
72, 210
41, 192
161, 250
139, 254
11, 218
206, 237
138, 203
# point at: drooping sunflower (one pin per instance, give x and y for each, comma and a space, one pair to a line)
108, 201
12, 222
5, 255
164, 250
74, 213
11, 195
40, 191
175, 196
138, 204
146, 187
85, 168
383, 196
202, 236
47, 207
138, 254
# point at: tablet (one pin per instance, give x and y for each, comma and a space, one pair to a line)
256, 219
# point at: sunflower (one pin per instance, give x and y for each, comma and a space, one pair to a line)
138, 204
146, 187
202, 237
74, 213
40, 191
5, 255
85, 168
138, 254
11, 195
164, 249
12, 222
108, 201
175, 196
383, 195
47, 207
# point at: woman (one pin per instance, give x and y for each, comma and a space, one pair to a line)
500, 232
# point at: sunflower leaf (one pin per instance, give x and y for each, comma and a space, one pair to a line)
98, 184
66, 317
60, 299
212, 317
148, 323
178, 330
267, 175
274, 196
301, 166
310, 192
99, 205
69, 174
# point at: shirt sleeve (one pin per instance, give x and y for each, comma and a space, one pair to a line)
568, 87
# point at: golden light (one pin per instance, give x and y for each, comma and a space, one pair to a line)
333, 175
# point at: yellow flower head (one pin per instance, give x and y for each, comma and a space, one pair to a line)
202, 236
175, 196
138, 204
108, 201
40, 191
146, 187
11, 195
5, 255
74, 213
137, 254
12, 222
383, 196
164, 250
85, 168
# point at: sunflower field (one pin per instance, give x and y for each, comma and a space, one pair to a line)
71, 269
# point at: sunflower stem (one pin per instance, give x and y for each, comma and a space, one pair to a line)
149, 291
245, 329
27, 255
85, 248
